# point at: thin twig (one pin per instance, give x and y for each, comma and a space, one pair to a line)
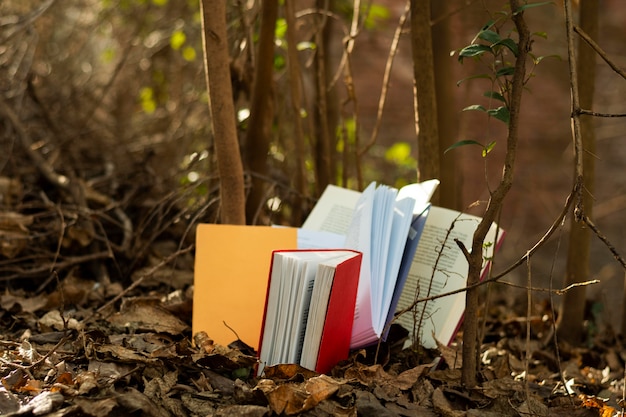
393, 50
605, 240
599, 51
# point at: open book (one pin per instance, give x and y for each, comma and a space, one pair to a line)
378, 222
438, 267
309, 308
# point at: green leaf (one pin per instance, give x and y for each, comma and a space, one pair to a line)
541, 34
489, 36
458, 83
495, 95
505, 71
473, 50
501, 113
463, 143
302, 46
488, 148
281, 29
475, 107
189, 53
177, 39
509, 43
399, 153
530, 5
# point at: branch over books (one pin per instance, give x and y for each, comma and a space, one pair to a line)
381, 223
309, 308
406, 257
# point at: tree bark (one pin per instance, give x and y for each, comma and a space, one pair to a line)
222, 109
447, 125
572, 311
261, 111
426, 101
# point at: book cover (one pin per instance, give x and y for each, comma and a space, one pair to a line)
230, 278
309, 308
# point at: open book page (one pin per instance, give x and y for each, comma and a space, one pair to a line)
333, 211
290, 290
438, 267
359, 239
314, 239
402, 216
317, 316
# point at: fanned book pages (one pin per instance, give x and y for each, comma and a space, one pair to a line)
309, 308
381, 223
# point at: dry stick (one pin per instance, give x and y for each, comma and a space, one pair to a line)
135, 284
604, 239
393, 50
557, 222
576, 130
74, 260
599, 51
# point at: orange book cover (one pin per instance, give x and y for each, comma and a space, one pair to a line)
230, 279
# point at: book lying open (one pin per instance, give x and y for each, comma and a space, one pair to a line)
309, 308
378, 223
439, 266
431, 262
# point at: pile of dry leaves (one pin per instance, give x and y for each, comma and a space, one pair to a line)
95, 349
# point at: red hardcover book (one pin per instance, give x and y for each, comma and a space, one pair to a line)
309, 308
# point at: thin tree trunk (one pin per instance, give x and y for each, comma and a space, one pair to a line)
447, 124
572, 311
222, 109
261, 111
471, 347
424, 78
295, 86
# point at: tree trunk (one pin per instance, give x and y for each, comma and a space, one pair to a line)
222, 109
447, 124
424, 78
572, 311
471, 346
261, 111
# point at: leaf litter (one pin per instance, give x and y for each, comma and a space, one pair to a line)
137, 356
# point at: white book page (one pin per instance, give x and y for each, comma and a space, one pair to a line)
317, 316
272, 311
314, 239
402, 217
333, 211
382, 222
439, 319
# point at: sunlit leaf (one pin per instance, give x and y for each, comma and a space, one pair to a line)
302, 46
541, 34
189, 53
160, 3
377, 13
177, 39
488, 148
398, 152
475, 107
281, 29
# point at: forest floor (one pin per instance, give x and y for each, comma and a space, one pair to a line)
97, 347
